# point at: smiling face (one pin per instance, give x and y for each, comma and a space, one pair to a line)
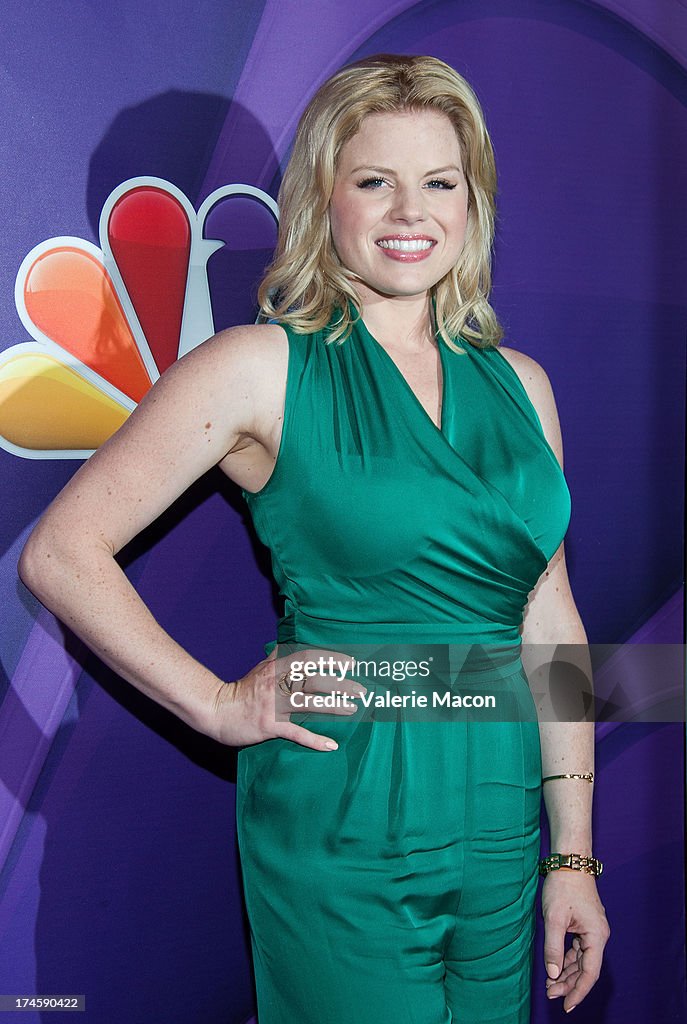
398, 211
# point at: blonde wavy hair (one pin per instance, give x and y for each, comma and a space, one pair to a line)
306, 281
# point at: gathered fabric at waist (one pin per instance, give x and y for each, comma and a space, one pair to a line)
451, 652
298, 627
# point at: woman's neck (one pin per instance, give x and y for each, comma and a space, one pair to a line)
401, 323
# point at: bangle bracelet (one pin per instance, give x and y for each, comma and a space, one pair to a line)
576, 861
587, 776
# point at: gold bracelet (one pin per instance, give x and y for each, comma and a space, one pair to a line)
587, 776
576, 861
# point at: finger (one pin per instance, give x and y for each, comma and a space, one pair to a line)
306, 738
570, 966
571, 957
572, 960
342, 711
329, 684
314, 701
312, 695
554, 945
319, 659
590, 963
316, 684
570, 963
301, 703
306, 704
564, 984
330, 666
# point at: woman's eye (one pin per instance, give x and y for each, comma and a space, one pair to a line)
434, 183
371, 183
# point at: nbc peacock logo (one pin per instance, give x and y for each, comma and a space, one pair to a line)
106, 322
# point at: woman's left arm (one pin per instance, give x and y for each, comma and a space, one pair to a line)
570, 901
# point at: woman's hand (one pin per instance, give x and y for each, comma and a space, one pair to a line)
257, 708
570, 903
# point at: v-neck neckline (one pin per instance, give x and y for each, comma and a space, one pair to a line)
441, 428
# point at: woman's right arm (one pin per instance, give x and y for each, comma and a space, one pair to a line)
219, 403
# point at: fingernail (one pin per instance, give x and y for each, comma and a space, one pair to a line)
331, 745
552, 970
571, 1007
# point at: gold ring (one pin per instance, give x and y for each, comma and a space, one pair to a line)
286, 683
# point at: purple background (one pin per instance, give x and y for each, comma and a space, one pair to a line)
120, 877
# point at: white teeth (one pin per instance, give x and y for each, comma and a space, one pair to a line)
405, 244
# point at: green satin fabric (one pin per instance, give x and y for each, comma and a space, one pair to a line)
394, 878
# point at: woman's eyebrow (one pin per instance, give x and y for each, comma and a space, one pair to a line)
377, 170
389, 170
449, 167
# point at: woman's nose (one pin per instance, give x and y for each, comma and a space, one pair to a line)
408, 204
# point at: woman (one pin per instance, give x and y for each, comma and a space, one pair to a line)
406, 473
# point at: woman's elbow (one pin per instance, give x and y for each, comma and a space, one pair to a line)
34, 565
45, 560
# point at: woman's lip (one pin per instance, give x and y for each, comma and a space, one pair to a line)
406, 238
406, 255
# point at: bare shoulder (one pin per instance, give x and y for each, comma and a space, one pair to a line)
242, 371
251, 338
220, 404
536, 383
531, 373
249, 347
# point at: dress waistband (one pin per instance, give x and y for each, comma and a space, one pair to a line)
299, 627
467, 652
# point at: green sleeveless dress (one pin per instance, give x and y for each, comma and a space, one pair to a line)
394, 878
